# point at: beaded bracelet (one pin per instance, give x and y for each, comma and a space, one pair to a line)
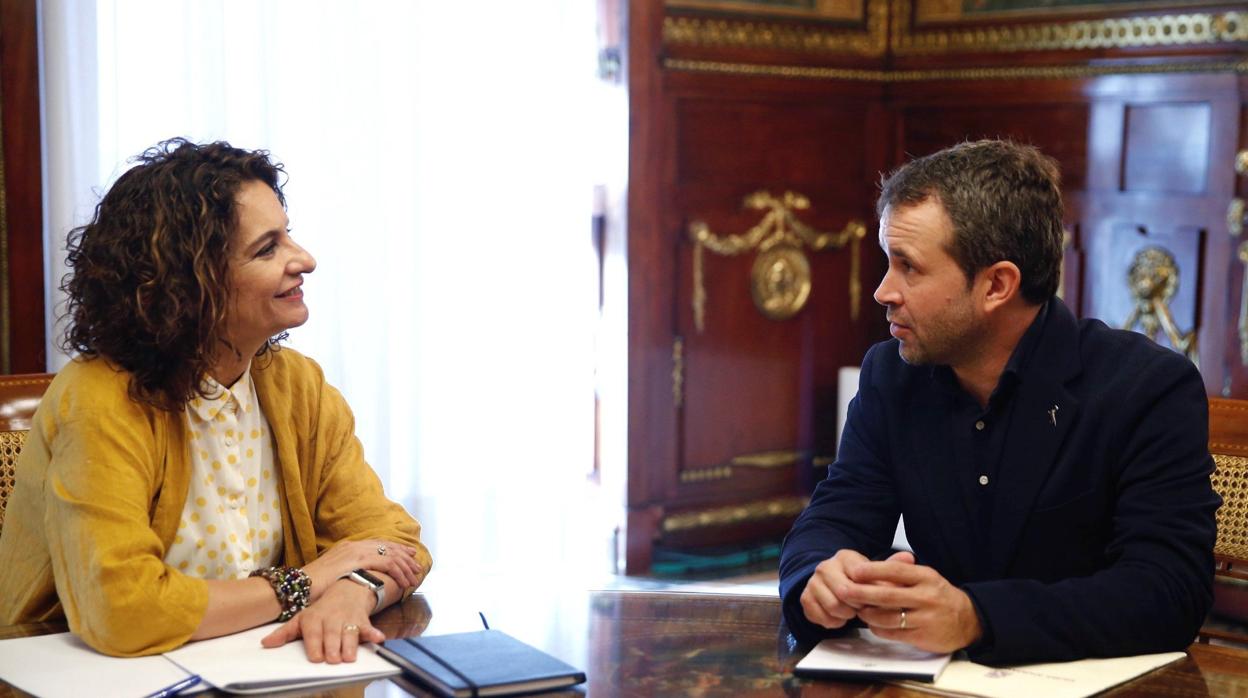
292, 586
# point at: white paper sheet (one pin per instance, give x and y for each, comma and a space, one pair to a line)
63, 666
1058, 680
238, 664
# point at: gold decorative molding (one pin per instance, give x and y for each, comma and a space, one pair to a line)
1055, 72
763, 459
768, 459
717, 472
678, 372
1154, 279
781, 285
736, 514
812, 9
729, 33
1243, 305
1188, 29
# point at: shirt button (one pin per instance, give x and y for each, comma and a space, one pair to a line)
979, 426
983, 479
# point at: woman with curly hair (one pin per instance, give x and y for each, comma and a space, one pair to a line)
184, 478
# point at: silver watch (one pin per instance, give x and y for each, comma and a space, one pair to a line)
364, 578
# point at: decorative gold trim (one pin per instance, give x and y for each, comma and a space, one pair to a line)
1154, 279
718, 472
780, 282
1117, 32
1242, 253
779, 228
822, 461
1241, 162
736, 514
822, 9
768, 459
1055, 72
1235, 216
678, 372
726, 33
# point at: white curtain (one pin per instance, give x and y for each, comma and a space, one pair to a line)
442, 157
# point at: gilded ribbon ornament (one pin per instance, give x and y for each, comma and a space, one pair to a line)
780, 278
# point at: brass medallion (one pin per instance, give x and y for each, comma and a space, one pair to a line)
780, 282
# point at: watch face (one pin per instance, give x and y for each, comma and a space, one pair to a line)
364, 574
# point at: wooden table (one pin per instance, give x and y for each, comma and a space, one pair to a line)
678, 644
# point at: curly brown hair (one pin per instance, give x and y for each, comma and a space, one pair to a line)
148, 287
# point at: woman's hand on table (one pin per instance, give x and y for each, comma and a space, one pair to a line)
333, 626
396, 560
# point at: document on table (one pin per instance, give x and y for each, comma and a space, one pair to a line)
1057, 680
62, 665
238, 664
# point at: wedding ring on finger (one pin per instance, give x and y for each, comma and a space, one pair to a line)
381, 550
903, 620
351, 628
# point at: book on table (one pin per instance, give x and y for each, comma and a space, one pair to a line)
479, 663
860, 654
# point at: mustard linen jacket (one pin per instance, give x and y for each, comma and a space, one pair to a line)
101, 485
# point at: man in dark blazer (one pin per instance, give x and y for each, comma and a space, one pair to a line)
1053, 473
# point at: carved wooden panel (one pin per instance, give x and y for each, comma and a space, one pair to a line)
1167, 148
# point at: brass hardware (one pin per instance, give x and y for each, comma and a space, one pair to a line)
703, 32
768, 459
1241, 162
678, 372
1123, 32
1154, 279
1055, 72
718, 472
780, 277
1243, 306
737, 514
1235, 216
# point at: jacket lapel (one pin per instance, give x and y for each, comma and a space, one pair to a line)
1043, 416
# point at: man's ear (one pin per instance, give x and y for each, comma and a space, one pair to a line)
999, 284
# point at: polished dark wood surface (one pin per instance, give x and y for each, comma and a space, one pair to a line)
23, 186
680, 644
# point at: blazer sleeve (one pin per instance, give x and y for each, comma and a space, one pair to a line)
854, 508
350, 503
1156, 586
104, 474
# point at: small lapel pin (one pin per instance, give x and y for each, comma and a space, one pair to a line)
1053, 415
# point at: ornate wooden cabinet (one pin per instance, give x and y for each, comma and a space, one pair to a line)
759, 132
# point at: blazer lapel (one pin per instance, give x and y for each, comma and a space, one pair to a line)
1043, 416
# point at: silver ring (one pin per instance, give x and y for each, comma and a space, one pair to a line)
381, 550
351, 628
903, 620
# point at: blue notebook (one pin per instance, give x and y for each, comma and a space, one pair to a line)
480, 663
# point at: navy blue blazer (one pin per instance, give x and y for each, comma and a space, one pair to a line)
1102, 533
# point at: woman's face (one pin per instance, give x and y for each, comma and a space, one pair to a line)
266, 271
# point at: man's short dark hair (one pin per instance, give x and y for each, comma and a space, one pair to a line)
1004, 200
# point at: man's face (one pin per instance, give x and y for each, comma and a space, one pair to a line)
930, 307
